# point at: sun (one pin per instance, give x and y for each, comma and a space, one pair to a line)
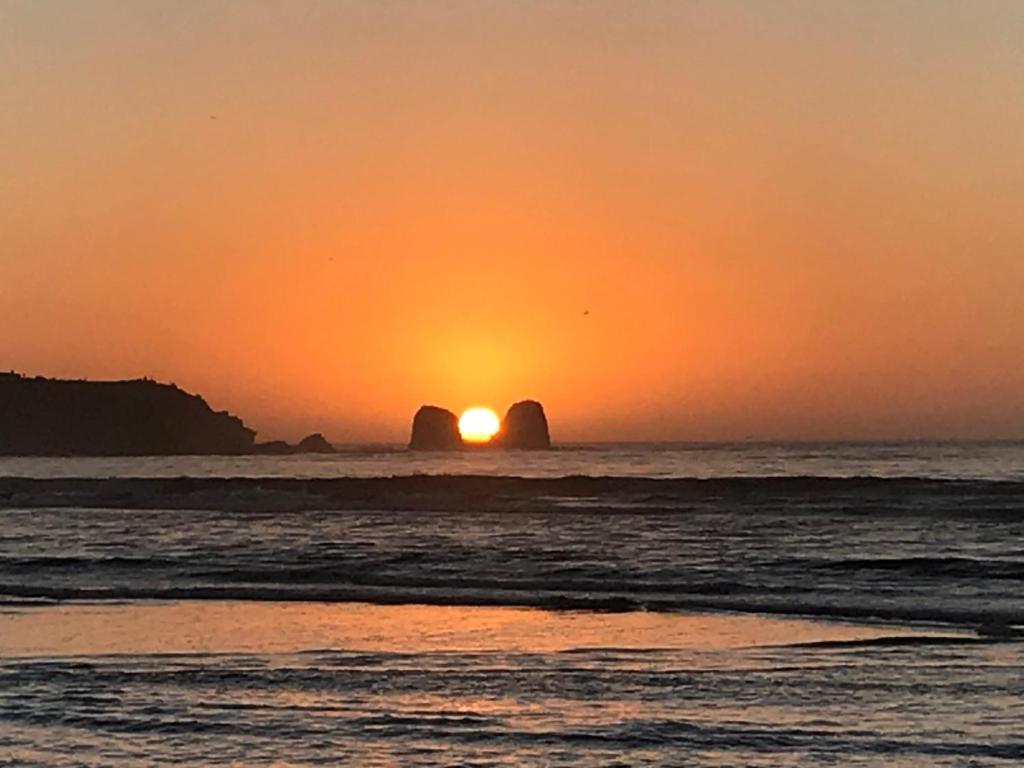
479, 425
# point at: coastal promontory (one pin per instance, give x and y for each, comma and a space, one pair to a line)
56, 417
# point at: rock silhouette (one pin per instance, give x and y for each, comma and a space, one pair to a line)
435, 429
315, 443
525, 426
54, 417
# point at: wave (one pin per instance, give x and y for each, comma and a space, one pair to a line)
1001, 499
862, 548
992, 620
923, 567
902, 641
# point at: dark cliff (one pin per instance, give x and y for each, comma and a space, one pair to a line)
52, 417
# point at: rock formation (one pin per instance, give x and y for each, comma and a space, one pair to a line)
52, 417
435, 429
315, 443
525, 426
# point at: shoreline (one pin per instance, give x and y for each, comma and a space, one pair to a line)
1006, 624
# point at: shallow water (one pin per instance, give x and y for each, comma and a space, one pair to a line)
229, 684
301, 684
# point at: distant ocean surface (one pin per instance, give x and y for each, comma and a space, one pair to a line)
919, 547
944, 460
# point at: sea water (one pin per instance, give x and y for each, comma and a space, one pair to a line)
594, 605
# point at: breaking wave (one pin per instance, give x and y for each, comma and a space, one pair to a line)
856, 495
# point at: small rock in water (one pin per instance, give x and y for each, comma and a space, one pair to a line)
315, 443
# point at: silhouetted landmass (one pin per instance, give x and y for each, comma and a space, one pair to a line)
435, 429
53, 417
525, 426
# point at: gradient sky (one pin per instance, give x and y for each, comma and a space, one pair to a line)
785, 219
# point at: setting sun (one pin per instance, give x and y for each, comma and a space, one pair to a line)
479, 425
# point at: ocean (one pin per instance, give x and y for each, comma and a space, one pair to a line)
595, 605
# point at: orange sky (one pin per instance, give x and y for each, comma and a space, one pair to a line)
786, 220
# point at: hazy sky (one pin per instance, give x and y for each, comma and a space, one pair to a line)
785, 219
